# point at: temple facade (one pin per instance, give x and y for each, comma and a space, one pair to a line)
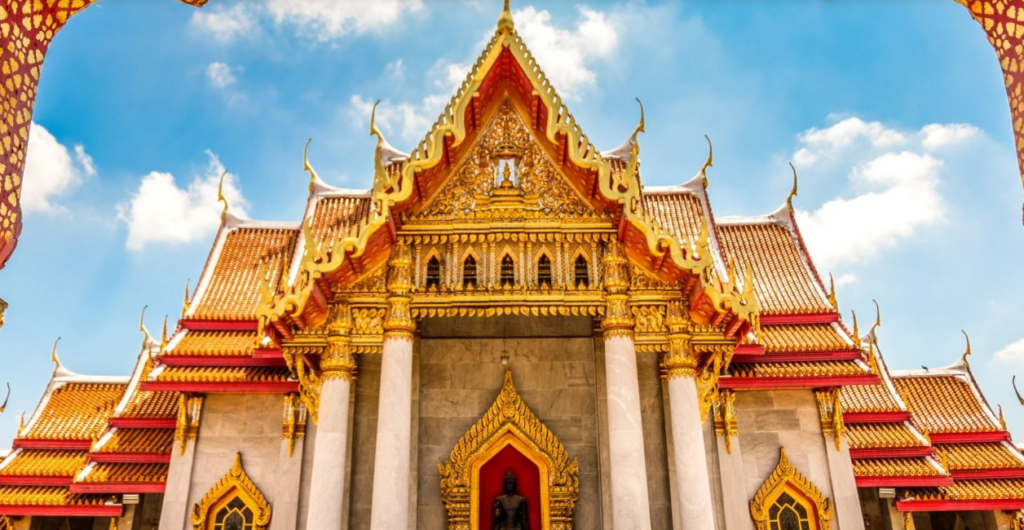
509, 331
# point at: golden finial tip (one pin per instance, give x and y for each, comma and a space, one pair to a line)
878, 315
221, 197
53, 354
505, 22
707, 163
792, 192
968, 350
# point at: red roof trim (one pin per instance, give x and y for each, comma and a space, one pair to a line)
277, 387
765, 383
12, 480
970, 437
196, 360
903, 482
267, 353
107, 510
220, 325
119, 487
810, 356
143, 423
790, 320
68, 445
750, 350
981, 474
903, 452
876, 417
959, 506
130, 458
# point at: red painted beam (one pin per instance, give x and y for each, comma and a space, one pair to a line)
765, 383
903, 482
876, 417
277, 387
68, 445
198, 360
104, 510
796, 357
970, 437
748, 350
35, 481
220, 325
119, 487
791, 320
959, 506
982, 474
904, 452
267, 353
130, 458
143, 423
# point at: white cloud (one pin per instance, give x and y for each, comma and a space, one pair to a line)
50, 170
220, 74
330, 19
162, 212
845, 279
897, 174
225, 25
1012, 353
406, 120
937, 135
564, 54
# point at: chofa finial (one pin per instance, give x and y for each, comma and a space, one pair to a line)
707, 163
314, 178
792, 192
186, 303
505, 22
6, 399
222, 198
53, 356
967, 351
832, 292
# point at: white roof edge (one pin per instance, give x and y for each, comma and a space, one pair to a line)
9, 457
332, 191
58, 381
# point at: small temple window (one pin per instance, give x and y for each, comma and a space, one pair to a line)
582, 272
508, 271
544, 271
788, 514
235, 515
469, 272
433, 274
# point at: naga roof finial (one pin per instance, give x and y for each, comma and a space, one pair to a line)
186, 303
707, 163
163, 336
878, 319
1015, 391
792, 192
53, 356
6, 399
967, 352
505, 22
222, 198
314, 178
832, 292
147, 339
856, 331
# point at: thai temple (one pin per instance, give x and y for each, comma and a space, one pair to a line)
509, 331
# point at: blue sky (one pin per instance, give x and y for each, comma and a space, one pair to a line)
894, 112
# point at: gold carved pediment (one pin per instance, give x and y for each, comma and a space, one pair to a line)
509, 422
236, 496
506, 173
788, 490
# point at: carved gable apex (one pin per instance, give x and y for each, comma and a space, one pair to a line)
506, 173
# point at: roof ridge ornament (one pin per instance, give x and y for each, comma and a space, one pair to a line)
6, 399
792, 192
856, 330
707, 163
967, 352
505, 22
147, 338
222, 198
1017, 392
315, 182
832, 292
186, 303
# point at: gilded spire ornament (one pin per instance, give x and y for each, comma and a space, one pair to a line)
314, 178
832, 292
3, 406
53, 356
967, 351
1017, 392
856, 331
222, 198
505, 22
186, 303
792, 192
163, 336
707, 163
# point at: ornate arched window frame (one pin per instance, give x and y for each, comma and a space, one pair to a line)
434, 254
787, 479
235, 484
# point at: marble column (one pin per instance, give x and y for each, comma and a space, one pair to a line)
628, 467
844, 485
391, 469
736, 508
289, 466
693, 487
175, 511
327, 478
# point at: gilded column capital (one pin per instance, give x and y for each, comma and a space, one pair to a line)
337, 361
400, 270
681, 360
398, 323
618, 319
725, 417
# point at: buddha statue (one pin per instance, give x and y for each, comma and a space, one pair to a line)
510, 509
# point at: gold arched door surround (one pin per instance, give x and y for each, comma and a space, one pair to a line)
234, 503
509, 423
788, 496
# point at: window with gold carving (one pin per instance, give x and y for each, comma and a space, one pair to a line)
582, 272
433, 274
544, 272
788, 514
235, 515
469, 272
234, 503
789, 501
508, 271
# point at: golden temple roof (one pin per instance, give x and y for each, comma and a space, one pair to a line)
47, 496
882, 435
231, 290
44, 463
124, 473
895, 467
337, 212
803, 338
75, 411
973, 490
222, 374
679, 212
215, 344
798, 369
783, 281
945, 403
138, 441
146, 404
977, 456
870, 398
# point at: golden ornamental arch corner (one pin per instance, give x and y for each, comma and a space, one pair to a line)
786, 479
509, 421
235, 484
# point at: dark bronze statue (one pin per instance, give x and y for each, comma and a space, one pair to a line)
510, 512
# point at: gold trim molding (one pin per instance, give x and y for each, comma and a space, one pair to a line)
509, 422
787, 479
236, 483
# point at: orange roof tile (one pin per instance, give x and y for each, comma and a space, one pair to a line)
126, 473
335, 215
215, 344
881, 436
869, 398
139, 441
151, 405
223, 374
75, 411
973, 490
40, 463
233, 288
679, 213
803, 338
895, 467
799, 369
783, 283
972, 456
945, 403
47, 496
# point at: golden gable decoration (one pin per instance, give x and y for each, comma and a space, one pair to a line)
788, 489
235, 493
509, 422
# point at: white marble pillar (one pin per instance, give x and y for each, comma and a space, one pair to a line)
844, 485
175, 512
390, 508
628, 475
693, 487
327, 478
736, 507
289, 466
